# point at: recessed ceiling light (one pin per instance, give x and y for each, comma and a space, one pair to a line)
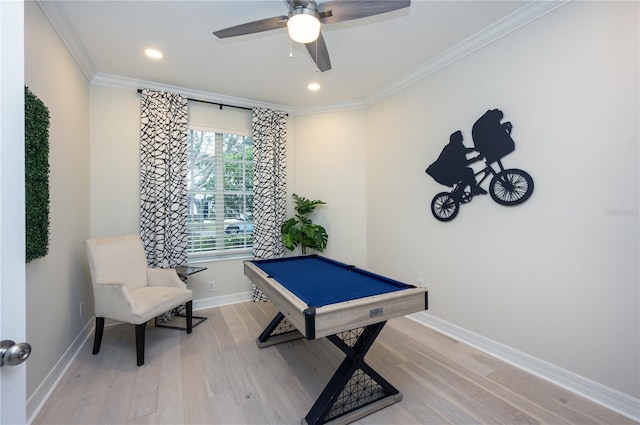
153, 53
314, 86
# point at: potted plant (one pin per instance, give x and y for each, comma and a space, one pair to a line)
300, 230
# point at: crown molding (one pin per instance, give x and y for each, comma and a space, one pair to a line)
54, 13
334, 107
127, 83
135, 84
521, 17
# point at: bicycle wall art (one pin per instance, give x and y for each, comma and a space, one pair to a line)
492, 141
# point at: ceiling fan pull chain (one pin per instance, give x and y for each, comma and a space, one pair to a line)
290, 47
318, 14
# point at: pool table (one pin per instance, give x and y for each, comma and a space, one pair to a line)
320, 297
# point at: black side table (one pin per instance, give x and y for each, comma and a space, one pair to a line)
183, 273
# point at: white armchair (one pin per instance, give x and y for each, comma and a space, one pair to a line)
126, 289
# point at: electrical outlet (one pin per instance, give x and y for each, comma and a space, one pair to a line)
81, 308
211, 286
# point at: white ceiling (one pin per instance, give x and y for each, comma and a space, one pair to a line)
369, 56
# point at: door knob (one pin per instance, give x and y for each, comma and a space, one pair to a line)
13, 354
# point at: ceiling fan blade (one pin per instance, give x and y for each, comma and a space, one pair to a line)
253, 27
344, 10
319, 53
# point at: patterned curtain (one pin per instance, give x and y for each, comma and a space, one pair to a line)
163, 172
269, 130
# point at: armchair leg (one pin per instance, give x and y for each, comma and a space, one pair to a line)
97, 337
140, 342
189, 308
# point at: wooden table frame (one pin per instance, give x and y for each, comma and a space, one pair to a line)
352, 326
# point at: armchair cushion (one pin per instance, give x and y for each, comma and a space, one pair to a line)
164, 277
125, 288
152, 301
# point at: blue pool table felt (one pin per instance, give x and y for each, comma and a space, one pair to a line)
320, 281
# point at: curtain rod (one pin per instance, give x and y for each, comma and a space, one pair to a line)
213, 103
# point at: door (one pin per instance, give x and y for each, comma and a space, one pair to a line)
12, 228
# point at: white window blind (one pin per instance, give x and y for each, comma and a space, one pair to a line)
220, 193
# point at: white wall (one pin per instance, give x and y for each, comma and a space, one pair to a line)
115, 176
548, 277
115, 161
57, 283
328, 164
556, 277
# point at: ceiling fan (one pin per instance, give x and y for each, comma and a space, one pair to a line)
308, 15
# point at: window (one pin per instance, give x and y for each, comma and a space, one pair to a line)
219, 193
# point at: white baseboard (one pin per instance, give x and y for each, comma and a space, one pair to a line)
205, 303
598, 393
607, 397
46, 387
44, 390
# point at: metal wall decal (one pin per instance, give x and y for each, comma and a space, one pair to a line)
492, 141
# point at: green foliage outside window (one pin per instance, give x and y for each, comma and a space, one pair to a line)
219, 191
36, 128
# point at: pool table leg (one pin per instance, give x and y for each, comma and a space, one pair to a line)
355, 390
279, 330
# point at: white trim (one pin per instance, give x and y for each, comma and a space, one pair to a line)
521, 17
46, 387
205, 303
54, 13
607, 397
120, 82
336, 107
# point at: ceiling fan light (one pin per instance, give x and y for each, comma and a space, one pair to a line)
303, 25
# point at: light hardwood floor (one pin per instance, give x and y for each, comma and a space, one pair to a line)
217, 375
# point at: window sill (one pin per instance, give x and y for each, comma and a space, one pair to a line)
207, 257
